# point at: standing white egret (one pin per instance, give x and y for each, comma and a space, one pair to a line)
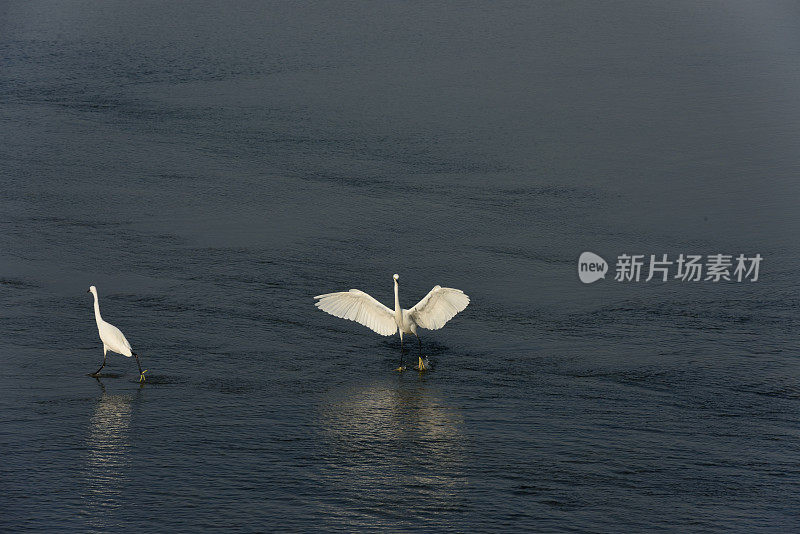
113, 339
432, 312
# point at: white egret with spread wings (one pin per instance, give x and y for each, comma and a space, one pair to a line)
432, 312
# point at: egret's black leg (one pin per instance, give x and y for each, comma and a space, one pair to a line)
401, 355
141, 374
101, 367
421, 363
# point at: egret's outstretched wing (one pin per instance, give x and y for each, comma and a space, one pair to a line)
438, 307
357, 306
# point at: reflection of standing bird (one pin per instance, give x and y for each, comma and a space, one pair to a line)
108, 463
113, 339
432, 312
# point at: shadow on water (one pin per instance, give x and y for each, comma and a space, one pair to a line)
152, 380
396, 453
163, 380
107, 463
106, 375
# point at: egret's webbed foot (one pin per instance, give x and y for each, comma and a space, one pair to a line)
142, 378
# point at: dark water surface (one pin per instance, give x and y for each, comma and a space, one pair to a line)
211, 167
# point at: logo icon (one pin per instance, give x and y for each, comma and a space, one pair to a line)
591, 267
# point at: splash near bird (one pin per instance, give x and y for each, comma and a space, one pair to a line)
113, 339
432, 312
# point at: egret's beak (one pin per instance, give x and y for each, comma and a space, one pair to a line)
88, 290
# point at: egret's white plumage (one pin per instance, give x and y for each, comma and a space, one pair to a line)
432, 312
112, 337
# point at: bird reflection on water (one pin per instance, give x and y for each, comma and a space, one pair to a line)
397, 449
107, 462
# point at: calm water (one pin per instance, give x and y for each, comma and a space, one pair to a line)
211, 168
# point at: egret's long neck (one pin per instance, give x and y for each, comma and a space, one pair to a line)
97, 311
397, 310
